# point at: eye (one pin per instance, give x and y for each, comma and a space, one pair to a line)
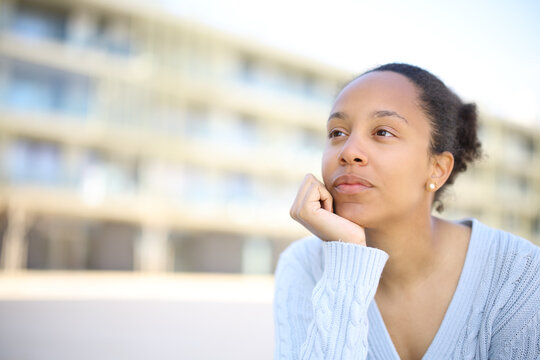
383, 132
335, 133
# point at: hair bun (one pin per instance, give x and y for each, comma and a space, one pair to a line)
469, 146
467, 113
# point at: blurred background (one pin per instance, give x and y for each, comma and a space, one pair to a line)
150, 151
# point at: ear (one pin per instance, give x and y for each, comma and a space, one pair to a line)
441, 168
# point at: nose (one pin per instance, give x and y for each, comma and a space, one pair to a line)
351, 154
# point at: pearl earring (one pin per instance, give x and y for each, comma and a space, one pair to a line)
432, 186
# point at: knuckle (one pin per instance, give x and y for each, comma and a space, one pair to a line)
308, 179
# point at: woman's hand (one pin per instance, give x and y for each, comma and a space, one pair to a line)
313, 209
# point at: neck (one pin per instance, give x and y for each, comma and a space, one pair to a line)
411, 246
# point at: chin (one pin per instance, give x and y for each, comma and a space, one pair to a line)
355, 212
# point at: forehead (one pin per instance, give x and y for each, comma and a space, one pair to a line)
379, 89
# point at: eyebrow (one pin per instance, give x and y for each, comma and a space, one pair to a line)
339, 115
383, 113
376, 114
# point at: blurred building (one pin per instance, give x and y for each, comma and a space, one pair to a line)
134, 139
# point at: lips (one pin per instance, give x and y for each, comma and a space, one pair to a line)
351, 184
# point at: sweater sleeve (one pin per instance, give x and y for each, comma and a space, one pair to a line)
325, 318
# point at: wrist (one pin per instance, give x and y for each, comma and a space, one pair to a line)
356, 241
357, 236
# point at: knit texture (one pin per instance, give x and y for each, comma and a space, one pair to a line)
324, 307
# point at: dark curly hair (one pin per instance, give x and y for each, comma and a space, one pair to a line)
453, 123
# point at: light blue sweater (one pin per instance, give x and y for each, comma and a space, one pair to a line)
324, 307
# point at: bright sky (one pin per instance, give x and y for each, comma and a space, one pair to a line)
487, 51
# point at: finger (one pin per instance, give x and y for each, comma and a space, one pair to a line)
300, 199
326, 198
303, 190
304, 187
311, 199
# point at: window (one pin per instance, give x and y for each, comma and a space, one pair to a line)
162, 179
196, 121
247, 68
236, 131
238, 188
518, 147
111, 246
33, 161
201, 189
248, 130
103, 175
70, 244
529, 146
37, 88
39, 20
309, 85
207, 252
113, 36
55, 243
165, 117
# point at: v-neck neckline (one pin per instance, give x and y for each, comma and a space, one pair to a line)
454, 314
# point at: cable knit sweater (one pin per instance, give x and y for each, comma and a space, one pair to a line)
324, 304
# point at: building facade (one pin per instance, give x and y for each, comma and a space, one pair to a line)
134, 139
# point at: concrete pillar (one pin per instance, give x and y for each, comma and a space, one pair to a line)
152, 250
15, 246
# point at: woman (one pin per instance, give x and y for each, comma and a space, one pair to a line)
383, 278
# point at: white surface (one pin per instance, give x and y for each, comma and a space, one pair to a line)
158, 324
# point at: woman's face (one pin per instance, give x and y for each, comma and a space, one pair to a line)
376, 161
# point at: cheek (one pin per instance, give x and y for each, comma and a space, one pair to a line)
409, 172
328, 164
